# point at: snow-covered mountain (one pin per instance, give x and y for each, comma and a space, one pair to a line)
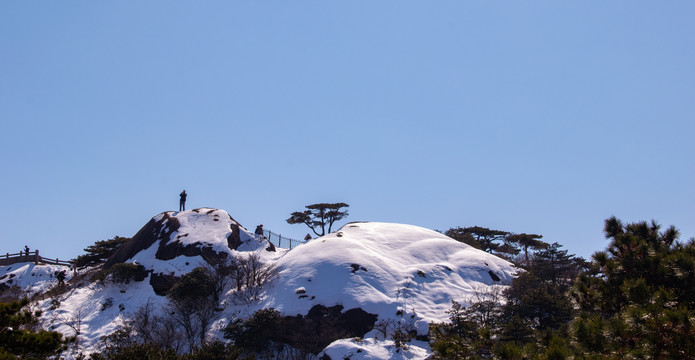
174, 243
396, 272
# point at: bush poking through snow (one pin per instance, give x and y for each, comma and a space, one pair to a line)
400, 338
194, 299
123, 273
257, 333
11, 293
384, 327
107, 303
250, 276
268, 330
144, 328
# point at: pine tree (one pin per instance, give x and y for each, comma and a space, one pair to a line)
462, 338
99, 252
16, 338
526, 241
637, 298
556, 266
464, 236
318, 216
485, 239
537, 301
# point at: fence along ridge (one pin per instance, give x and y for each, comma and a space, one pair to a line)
22, 256
278, 239
32, 256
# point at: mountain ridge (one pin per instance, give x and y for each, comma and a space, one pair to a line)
390, 270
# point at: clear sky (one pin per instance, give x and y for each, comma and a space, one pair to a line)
528, 116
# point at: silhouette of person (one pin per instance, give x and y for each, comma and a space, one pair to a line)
182, 202
61, 277
259, 231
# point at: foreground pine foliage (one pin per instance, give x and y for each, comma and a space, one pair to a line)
635, 300
19, 338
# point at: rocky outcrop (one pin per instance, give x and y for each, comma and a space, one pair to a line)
209, 234
323, 325
155, 230
233, 240
160, 229
161, 283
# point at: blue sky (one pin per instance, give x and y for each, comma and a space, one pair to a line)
541, 117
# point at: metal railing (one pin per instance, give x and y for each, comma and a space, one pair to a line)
281, 241
31, 256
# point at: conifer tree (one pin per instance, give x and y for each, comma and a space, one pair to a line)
637, 299
99, 251
16, 338
482, 238
318, 216
462, 338
526, 241
538, 307
540, 294
556, 266
462, 235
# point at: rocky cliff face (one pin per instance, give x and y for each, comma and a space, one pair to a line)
172, 241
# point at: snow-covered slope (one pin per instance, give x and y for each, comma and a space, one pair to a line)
31, 278
404, 274
383, 268
176, 242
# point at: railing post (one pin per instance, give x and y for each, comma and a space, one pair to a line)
280, 241
36, 257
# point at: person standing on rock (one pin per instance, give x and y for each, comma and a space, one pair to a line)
182, 202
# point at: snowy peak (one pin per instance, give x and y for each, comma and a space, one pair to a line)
385, 269
174, 243
210, 233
